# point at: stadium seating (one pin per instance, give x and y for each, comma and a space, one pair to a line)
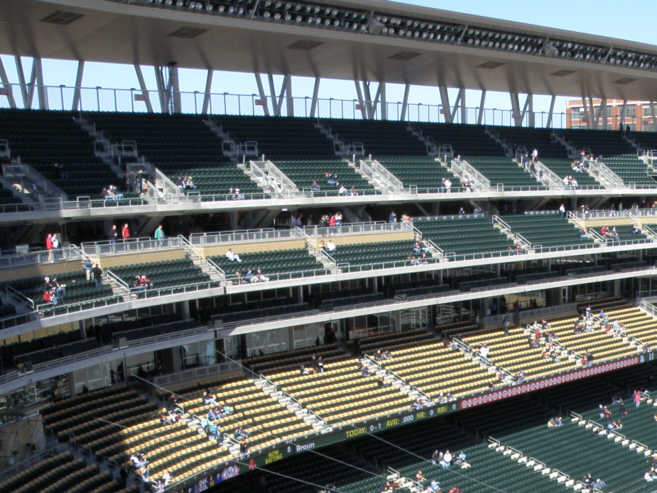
174, 274
464, 235
43, 138
562, 168
179, 146
379, 138
631, 169
548, 230
468, 140
304, 172
625, 235
437, 369
532, 138
379, 255
7, 197
422, 172
78, 289
279, 138
290, 360
276, 264
501, 170
340, 394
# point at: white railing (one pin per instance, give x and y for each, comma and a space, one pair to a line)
46, 310
596, 236
357, 228
169, 188
19, 297
548, 177
377, 173
599, 170
245, 236
467, 172
131, 245
117, 279
20, 170
273, 178
612, 213
64, 254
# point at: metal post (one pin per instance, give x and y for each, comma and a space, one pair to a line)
144, 89
621, 123
42, 94
78, 86
515, 109
530, 101
289, 99
654, 119
361, 102
161, 89
480, 116
27, 90
313, 104
460, 98
174, 89
464, 115
384, 101
444, 98
208, 91
261, 92
5, 83
404, 107
272, 92
552, 101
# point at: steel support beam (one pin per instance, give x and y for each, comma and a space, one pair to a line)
404, 107
621, 123
383, 101
78, 87
162, 89
5, 84
289, 97
277, 100
482, 101
444, 99
552, 101
515, 109
602, 112
529, 104
587, 112
27, 89
313, 103
208, 92
174, 88
144, 90
261, 91
361, 101
459, 103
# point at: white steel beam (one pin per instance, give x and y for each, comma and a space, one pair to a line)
383, 101
313, 103
208, 92
654, 118
162, 90
361, 101
444, 99
480, 115
530, 109
459, 103
5, 84
289, 97
78, 86
264, 100
41, 88
142, 86
621, 124
515, 109
404, 107
552, 101
27, 90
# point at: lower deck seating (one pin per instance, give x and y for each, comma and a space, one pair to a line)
274, 265
340, 394
303, 173
424, 173
379, 255
548, 230
465, 235
393, 340
438, 370
276, 362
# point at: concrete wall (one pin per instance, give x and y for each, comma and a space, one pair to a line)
39, 270
142, 258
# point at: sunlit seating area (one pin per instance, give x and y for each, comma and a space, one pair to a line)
548, 230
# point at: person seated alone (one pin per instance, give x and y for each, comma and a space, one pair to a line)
233, 257
330, 247
419, 477
446, 460
554, 422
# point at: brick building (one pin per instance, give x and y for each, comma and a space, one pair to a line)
638, 115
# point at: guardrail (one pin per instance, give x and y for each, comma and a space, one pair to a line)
117, 279
612, 213
130, 245
464, 169
64, 254
357, 228
46, 310
380, 174
599, 170
276, 276
245, 236
547, 176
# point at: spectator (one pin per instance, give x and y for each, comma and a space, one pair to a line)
98, 275
330, 247
314, 186
159, 235
446, 461
419, 477
434, 487
392, 218
49, 245
125, 232
233, 257
562, 210
114, 234
86, 263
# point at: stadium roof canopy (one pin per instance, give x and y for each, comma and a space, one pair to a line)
374, 40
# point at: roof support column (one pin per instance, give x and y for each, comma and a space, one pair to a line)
27, 90
404, 107
515, 109
361, 101
621, 121
529, 105
162, 89
7, 87
652, 112
482, 101
377, 100
78, 86
602, 112
368, 99
41, 88
145, 96
168, 88
587, 113
277, 100
384, 101
313, 104
549, 120
174, 88
444, 99
264, 101
464, 113
208, 92
287, 87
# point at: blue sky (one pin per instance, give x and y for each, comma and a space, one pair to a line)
633, 20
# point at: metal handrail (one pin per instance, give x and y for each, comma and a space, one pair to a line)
117, 279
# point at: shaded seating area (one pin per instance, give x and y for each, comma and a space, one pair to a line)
274, 265
548, 230
468, 140
501, 170
180, 146
45, 138
424, 173
378, 255
304, 172
631, 169
465, 235
290, 360
379, 138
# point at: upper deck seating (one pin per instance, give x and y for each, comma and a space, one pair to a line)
549, 230
180, 145
562, 167
468, 140
465, 235
625, 235
43, 138
421, 172
304, 172
174, 274
533, 138
379, 138
290, 360
502, 170
279, 138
